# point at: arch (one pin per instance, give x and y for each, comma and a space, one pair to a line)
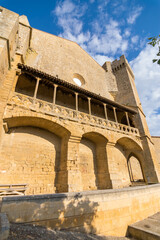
26, 84
32, 120
57, 130
132, 149
31, 155
129, 143
135, 168
93, 161
96, 137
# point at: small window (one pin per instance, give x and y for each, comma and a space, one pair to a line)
78, 79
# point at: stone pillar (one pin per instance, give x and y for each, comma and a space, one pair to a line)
36, 89
74, 174
76, 95
127, 119
89, 105
115, 114
105, 111
115, 182
54, 93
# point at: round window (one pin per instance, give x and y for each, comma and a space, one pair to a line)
78, 79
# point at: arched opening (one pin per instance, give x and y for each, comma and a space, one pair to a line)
38, 147
135, 169
93, 162
26, 84
125, 169
31, 155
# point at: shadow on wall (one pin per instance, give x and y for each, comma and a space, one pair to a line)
73, 212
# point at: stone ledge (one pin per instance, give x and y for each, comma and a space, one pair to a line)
59, 196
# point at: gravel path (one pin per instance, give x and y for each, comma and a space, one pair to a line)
30, 232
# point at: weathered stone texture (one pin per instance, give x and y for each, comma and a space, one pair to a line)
56, 139
106, 212
156, 141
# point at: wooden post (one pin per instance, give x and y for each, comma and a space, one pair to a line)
54, 93
105, 111
115, 114
89, 105
127, 119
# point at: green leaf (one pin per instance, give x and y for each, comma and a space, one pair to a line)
158, 61
154, 60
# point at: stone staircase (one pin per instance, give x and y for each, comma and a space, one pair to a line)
147, 229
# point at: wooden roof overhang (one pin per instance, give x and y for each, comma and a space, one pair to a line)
49, 79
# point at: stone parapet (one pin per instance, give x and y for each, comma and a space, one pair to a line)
107, 212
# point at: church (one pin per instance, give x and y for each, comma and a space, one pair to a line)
68, 124
73, 136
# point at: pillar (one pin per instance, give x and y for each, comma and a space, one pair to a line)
54, 93
105, 111
36, 89
89, 105
127, 119
74, 174
115, 114
76, 94
115, 182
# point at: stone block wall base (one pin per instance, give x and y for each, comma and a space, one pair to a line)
4, 226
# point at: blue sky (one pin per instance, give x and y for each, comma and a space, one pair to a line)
106, 29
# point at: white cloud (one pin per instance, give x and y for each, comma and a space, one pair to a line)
134, 14
147, 77
101, 59
69, 15
110, 41
65, 7
127, 33
134, 39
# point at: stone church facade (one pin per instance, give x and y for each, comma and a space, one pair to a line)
58, 135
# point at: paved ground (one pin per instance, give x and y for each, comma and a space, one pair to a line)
30, 232
148, 228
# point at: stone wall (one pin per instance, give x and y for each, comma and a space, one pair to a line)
156, 141
106, 212
31, 155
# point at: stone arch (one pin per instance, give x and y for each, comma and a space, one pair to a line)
128, 147
51, 150
135, 169
93, 161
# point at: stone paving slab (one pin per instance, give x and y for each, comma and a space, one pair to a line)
147, 229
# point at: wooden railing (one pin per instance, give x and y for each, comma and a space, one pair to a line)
68, 113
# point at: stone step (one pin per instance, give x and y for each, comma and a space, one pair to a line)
147, 229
